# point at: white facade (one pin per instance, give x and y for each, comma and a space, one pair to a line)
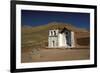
53, 39
56, 39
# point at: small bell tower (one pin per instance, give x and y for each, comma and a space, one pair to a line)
53, 39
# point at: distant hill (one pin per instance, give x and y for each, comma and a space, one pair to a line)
38, 36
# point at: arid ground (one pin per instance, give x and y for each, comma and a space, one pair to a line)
44, 55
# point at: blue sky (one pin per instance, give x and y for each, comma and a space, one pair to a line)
36, 18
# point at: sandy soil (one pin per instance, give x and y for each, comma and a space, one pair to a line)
44, 55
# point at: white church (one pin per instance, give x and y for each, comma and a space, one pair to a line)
61, 38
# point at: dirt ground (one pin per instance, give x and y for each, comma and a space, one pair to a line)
44, 55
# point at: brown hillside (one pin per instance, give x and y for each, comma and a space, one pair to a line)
38, 36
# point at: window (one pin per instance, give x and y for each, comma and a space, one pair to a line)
54, 32
51, 33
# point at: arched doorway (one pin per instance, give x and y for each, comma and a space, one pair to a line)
53, 43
